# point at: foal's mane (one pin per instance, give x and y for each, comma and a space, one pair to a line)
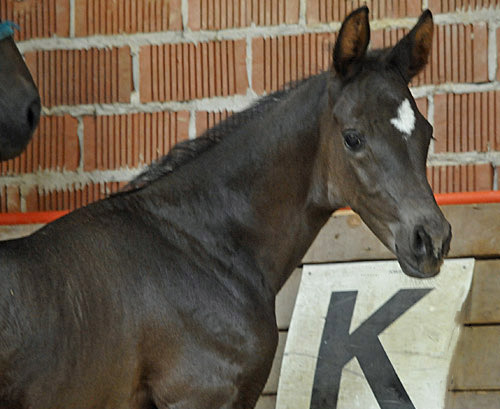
190, 149
187, 150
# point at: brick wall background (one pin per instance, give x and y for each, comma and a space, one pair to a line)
121, 81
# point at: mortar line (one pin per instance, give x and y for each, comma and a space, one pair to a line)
492, 52
80, 132
72, 16
463, 158
185, 14
135, 97
249, 60
303, 12
192, 131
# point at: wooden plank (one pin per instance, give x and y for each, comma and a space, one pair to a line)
476, 364
285, 300
473, 400
266, 402
476, 232
345, 238
8, 232
271, 386
476, 229
483, 306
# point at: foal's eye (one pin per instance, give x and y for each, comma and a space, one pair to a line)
352, 139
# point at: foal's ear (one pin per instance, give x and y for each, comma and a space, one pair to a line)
351, 43
411, 53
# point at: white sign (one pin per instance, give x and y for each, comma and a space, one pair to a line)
364, 335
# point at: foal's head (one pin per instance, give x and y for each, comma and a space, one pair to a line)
377, 142
19, 98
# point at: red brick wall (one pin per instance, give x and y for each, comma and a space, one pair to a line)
123, 80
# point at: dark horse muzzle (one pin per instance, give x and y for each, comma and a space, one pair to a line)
421, 249
19, 98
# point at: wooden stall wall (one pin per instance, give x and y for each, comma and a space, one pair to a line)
474, 378
121, 81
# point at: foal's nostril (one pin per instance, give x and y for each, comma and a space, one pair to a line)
420, 239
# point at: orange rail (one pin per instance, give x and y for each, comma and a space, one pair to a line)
490, 196
31, 217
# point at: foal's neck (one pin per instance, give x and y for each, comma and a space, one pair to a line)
283, 197
249, 196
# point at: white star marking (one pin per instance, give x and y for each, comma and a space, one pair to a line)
405, 122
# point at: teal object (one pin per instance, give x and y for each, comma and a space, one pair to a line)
7, 29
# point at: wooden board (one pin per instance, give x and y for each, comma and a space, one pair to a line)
285, 300
8, 232
407, 326
476, 364
473, 400
483, 306
476, 232
271, 386
266, 402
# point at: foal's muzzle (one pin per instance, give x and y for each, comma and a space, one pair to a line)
428, 242
18, 122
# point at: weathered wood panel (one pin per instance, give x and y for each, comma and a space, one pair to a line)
473, 400
483, 306
476, 363
266, 402
285, 300
271, 386
8, 232
476, 232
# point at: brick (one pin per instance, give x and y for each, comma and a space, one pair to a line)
467, 122
54, 147
279, 60
459, 53
445, 6
223, 14
126, 16
325, 11
460, 178
131, 140
37, 19
422, 105
69, 77
440, 122
180, 72
10, 199
480, 45
70, 197
206, 120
